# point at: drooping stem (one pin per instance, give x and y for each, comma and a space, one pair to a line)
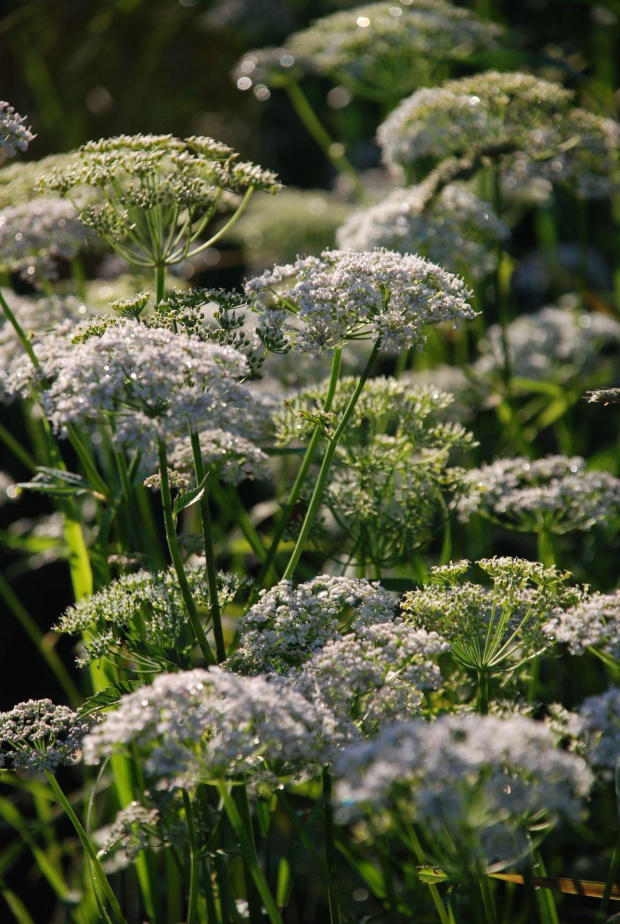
301, 474
207, 533
319, 487
177, 561
98, 872
330, 853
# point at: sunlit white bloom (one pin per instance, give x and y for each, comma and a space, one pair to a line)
14, 135
37, 736
593, 623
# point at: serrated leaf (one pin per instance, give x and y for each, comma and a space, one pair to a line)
182, 501
108, 697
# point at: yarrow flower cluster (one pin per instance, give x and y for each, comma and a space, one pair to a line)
456, 229
554, 344
34, 236
14, 135
181, 182
530, 125
200, 726
377, 48
555, 494
491, 630
472, 784
321, 302
38, 736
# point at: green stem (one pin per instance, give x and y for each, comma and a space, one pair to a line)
207, 533
317, 494
483, 692
487, 900
301, 475
194, 861
21, 336
177, 561
160, 283
328, 819
89, 849
545, 548
249, 854
444, 915
17, 449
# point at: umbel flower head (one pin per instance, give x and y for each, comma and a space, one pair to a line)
491, 629
14, 135
529, 125
555, 494
379, 49
199, 726
593, 730
147, 383
38, 736
35, 235
157, 193
473, 785
456, 229
594, 623
322, 302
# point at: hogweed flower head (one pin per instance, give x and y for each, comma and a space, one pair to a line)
456, 229
157, 193
378, 49
473, 785
555, 495
321, 302
529, 125
14, 135
289, 624
493, 629
200, 725
38, 736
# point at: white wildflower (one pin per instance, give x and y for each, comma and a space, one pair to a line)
37, 736
593, 623
14, 135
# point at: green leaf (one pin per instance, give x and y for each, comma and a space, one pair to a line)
108, 697
56, 482
182, 501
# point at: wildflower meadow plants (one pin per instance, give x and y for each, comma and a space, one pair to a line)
342, 645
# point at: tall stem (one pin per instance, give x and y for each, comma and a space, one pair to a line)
177, 561
160, 282
317, 494
98, 872
21, 336
301, 474
207, 533
330, 854
194, 861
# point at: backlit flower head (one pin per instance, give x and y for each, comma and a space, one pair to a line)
38, 736
321, 302
472, 784
457, 230
593, 623
14, 135
556, 494
530, 125
200, 725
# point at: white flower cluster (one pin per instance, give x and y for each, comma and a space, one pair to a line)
554, 344
372, 676
382, 296
529, 124
33, 236
141, 607
604, 396
233, 457
473, 784
456, 229
38, 736
197, 726
593, 730
555, 494
148, 383
289, 624
491, 629
14, 136
134, 829
378, 47
593, 623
